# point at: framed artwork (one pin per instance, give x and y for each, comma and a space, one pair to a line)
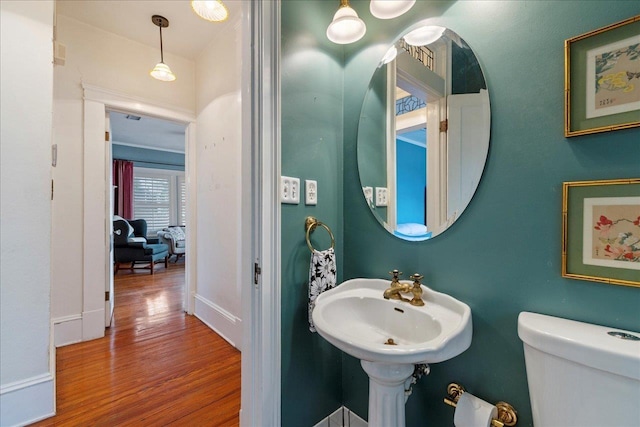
601, 231
602, 79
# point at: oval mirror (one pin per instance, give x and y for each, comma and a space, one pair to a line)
423, 135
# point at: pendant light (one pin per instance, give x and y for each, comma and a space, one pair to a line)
161, 71
346, 26
211, 10
424, 36
388, 9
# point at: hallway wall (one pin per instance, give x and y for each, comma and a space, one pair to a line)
222, 180
26, 83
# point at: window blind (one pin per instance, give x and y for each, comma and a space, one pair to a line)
182, 201
152, 201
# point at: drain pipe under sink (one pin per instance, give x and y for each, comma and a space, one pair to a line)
418, 372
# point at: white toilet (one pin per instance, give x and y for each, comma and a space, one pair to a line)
580, 374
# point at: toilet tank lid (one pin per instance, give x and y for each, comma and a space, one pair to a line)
583, 343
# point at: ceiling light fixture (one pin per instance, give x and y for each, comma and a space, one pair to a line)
424, 36
211, 10
388, 9
161, 71
346, 26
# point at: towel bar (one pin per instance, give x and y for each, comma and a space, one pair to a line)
310, 225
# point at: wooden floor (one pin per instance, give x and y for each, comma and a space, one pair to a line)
156, 366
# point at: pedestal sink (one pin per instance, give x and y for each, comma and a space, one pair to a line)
390, 337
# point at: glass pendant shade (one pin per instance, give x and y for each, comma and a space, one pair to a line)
388, 9
424, 36
162, 72
346, 26
211, 10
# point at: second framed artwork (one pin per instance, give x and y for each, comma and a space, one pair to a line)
602, 79
601, 231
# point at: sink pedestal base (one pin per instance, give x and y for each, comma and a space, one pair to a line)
386, 392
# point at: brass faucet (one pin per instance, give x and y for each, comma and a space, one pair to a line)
396, 288
393, 291
416, 290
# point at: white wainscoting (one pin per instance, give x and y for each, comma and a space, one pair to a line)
220, 320
67, 330
28, 401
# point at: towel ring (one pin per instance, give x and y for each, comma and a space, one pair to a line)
310, 225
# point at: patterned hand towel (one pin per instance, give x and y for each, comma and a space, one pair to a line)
322, 277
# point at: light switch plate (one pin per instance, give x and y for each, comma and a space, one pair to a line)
289, 190
381, 196
311, 192
368, 195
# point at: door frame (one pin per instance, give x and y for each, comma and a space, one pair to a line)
97, 170
261, 369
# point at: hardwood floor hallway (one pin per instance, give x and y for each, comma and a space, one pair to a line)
156, 366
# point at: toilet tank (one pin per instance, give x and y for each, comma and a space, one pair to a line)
580, 375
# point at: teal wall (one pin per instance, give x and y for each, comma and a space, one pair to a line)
148, 158
503, 255
373, 131
312, 134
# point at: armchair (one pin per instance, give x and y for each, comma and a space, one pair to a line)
175, 239
132, 246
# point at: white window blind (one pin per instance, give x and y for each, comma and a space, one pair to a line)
182, 201
152, 201
159, 197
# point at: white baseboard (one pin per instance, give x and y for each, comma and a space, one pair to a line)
67, 330
342, 417
224, 323
92, 324
25, 402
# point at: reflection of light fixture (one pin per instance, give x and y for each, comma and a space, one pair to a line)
346, 27
389, 56
424, 35
211, 10
387, 9
161, 71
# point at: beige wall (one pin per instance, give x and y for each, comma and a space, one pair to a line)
26, 366
220, 183
111, 62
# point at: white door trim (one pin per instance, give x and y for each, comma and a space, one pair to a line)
95, 205
261, 372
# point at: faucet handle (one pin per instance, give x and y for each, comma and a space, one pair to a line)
416, 290
395, 274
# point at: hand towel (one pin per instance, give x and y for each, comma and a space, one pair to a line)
322, 277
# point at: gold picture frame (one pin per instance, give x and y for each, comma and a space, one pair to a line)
601, 231
602, 79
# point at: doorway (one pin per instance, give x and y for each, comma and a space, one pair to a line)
148, 181
260, 304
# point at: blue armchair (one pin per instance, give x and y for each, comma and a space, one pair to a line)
131, 246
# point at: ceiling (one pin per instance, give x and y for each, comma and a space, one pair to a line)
186, 36
147, 132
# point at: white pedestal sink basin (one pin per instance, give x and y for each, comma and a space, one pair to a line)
356, 318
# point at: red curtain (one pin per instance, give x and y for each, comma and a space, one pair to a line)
123, 180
